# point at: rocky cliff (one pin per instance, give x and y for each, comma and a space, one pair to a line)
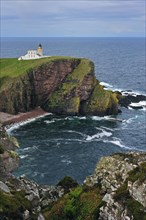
59, 85
116, 190
21, 198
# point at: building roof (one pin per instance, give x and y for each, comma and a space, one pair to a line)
40, 45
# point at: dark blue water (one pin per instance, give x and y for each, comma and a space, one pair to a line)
53, 146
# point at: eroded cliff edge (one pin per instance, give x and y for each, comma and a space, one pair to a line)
61, 85
115, 191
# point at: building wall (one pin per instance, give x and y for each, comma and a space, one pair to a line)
32, 54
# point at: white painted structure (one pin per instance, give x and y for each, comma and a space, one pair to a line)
33, 54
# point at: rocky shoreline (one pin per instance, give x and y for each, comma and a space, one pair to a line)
9, 119
115, 191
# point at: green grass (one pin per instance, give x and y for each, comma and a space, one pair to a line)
12, 67
12, 202
79, 204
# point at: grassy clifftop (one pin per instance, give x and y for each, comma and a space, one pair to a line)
12, 67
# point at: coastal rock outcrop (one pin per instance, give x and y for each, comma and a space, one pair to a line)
132, 100
58, 85
20, 198
9, 160
115, 191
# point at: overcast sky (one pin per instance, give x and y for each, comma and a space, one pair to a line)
40, 18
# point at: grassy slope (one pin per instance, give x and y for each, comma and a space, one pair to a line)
12, 67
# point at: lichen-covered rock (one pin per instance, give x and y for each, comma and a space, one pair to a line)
112, 171
9, 159
109, 194
137, 183
24, 199
4, 187
122, 178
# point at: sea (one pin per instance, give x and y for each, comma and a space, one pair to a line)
53, 146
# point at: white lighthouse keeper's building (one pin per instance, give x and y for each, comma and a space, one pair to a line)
33, 54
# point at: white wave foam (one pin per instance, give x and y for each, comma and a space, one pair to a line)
66, 161
99, 135
23, 156
108, 118
69, 118
108, 129
130, 108
130, 120
76, 132
97, 118
34, 147
139, 104
106, 84
123, 91
117, 142
17, 125
49, 122
80, 117
133, 93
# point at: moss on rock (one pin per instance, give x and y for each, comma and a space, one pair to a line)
79, 204
101, 102
67, 183
13, 205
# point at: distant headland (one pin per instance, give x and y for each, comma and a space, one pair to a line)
60, 85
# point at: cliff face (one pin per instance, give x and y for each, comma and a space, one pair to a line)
33, 88
59, 85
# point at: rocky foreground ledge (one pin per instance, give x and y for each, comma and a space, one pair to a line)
116, 190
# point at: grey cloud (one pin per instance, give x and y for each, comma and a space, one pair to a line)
59, 16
